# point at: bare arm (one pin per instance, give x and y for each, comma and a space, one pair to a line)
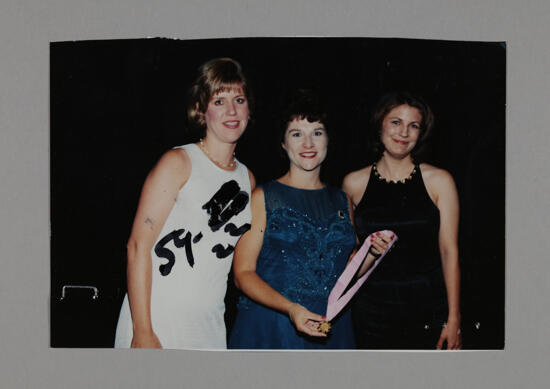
446, 198
157, 199
244, 267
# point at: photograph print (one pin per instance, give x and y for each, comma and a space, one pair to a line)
278, 193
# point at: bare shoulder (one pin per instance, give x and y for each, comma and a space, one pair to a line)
354, 183
175, 158
174, 165
439, 184
436, 177
356, 180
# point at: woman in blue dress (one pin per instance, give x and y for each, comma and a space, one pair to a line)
300, 240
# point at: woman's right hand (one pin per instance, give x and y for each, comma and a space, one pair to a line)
304, 320
145, 340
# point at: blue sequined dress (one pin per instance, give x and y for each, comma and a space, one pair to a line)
306, 245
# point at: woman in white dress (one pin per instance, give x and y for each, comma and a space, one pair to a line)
194, 206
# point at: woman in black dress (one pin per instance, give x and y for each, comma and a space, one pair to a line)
411, 301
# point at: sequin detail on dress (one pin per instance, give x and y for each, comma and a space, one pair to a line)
306, 246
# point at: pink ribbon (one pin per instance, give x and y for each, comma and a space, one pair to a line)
337, 300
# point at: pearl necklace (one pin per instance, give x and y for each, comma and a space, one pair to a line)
220, 164
402, 181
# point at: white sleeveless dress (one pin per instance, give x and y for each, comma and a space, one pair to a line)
192, 258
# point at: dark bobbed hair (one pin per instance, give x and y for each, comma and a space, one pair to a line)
303, 104
390, 101
308, 104
215, 76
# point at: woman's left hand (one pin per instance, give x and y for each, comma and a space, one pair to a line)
451, 334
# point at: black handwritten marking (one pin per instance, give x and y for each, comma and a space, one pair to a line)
234, 231
164, 252
197, 237
222, 252
227, 202
150, 222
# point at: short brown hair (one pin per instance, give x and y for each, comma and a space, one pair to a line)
214, 76
303, 104
388, 102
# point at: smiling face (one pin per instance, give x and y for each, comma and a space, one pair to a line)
226, 116
305, 144
400, 130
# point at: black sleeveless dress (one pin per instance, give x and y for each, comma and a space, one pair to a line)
403, 305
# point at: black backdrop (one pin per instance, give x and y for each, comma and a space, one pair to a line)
117, 105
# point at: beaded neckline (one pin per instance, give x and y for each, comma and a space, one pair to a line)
387, 180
